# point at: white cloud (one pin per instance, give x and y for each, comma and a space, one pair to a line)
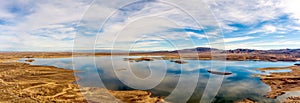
270, 28
265, 44
254, 12
52, 12
50, 24
244, 11
41, 24
228, 41
5, 14
267, 29
199, 36
292, 8
152, 21
133, 30
237, 39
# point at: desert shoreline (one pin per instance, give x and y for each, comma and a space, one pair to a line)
283, 82
30, 91
22, 82
165, 55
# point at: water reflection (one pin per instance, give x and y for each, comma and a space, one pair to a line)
115, 76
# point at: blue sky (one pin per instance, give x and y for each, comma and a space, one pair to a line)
49, 25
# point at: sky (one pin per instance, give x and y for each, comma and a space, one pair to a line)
148, 25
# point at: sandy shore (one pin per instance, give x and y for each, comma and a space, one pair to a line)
24, 83
246, 100
21, 82
283, 82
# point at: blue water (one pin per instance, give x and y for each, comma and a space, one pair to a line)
112, 71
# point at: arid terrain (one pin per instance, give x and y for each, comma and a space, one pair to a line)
24, 83
282, 83
21, 82
202, 53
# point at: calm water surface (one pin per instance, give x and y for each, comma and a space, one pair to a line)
113, 72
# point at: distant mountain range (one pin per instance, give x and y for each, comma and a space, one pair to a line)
205, 53
197, 49
206, 49
241, 54
286, 53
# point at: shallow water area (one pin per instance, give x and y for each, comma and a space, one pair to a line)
115, 74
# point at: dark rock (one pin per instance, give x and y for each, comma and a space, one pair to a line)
178, 61
219, 73
297, 64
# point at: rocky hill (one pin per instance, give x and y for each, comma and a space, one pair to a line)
247, 54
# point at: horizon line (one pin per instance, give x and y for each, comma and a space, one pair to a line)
107, 51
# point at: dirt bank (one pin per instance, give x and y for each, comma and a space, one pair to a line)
24, 83
283, 82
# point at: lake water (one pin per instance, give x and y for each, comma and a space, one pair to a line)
171, 80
